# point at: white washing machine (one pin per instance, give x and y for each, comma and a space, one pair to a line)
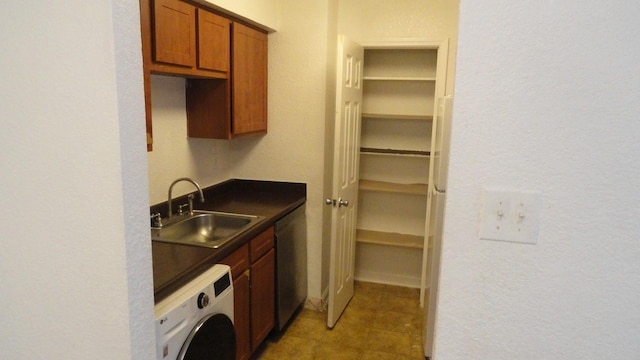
196, 321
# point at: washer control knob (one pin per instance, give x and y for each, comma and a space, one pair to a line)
203, 300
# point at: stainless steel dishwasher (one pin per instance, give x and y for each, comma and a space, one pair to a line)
291, 265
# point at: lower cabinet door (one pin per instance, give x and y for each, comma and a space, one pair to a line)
241, 290
262, 298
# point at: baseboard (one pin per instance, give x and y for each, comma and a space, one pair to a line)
318, 304
388, 279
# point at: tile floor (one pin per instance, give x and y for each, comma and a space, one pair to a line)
381, 322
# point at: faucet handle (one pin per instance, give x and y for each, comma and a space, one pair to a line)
156, 220
181, 209
190, 198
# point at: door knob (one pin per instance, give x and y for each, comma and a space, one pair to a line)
334, 202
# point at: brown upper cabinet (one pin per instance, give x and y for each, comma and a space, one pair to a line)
221, 110
213, 42
249, 82
174, 33
224, 61
189, 41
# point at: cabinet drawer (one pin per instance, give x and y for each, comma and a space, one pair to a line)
261, 244
238, 261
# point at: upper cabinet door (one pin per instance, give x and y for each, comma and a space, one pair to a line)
213, 42
174, 32
249, 80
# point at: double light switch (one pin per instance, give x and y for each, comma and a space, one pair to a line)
510, 216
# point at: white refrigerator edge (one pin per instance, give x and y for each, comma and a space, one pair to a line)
437, 191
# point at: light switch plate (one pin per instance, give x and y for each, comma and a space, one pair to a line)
510, 216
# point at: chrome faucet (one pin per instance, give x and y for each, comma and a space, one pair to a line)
190, 202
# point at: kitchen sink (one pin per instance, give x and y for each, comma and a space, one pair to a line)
210, 229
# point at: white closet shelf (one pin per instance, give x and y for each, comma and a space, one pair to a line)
390, 239
394, 152
397, 117
397, 78
382, 186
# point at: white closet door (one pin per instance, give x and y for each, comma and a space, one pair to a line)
344, 199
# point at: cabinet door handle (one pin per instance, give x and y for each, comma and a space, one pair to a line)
344, 203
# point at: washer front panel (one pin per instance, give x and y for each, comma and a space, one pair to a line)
213, 338
177, 315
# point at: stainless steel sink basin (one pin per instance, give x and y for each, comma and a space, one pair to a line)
205, 228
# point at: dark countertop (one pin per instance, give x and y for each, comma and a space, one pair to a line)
175, 264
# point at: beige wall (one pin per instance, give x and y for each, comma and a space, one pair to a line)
294, 148
75, 258
174, 155
261, 12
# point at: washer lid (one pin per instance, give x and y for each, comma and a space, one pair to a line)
213, 338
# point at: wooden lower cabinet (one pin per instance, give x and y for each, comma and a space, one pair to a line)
242, 310
254, 292
262, 298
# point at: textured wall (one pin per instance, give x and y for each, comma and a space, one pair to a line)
75, 265
546, 100
174, 155
133, 178
263, 12
294, 148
